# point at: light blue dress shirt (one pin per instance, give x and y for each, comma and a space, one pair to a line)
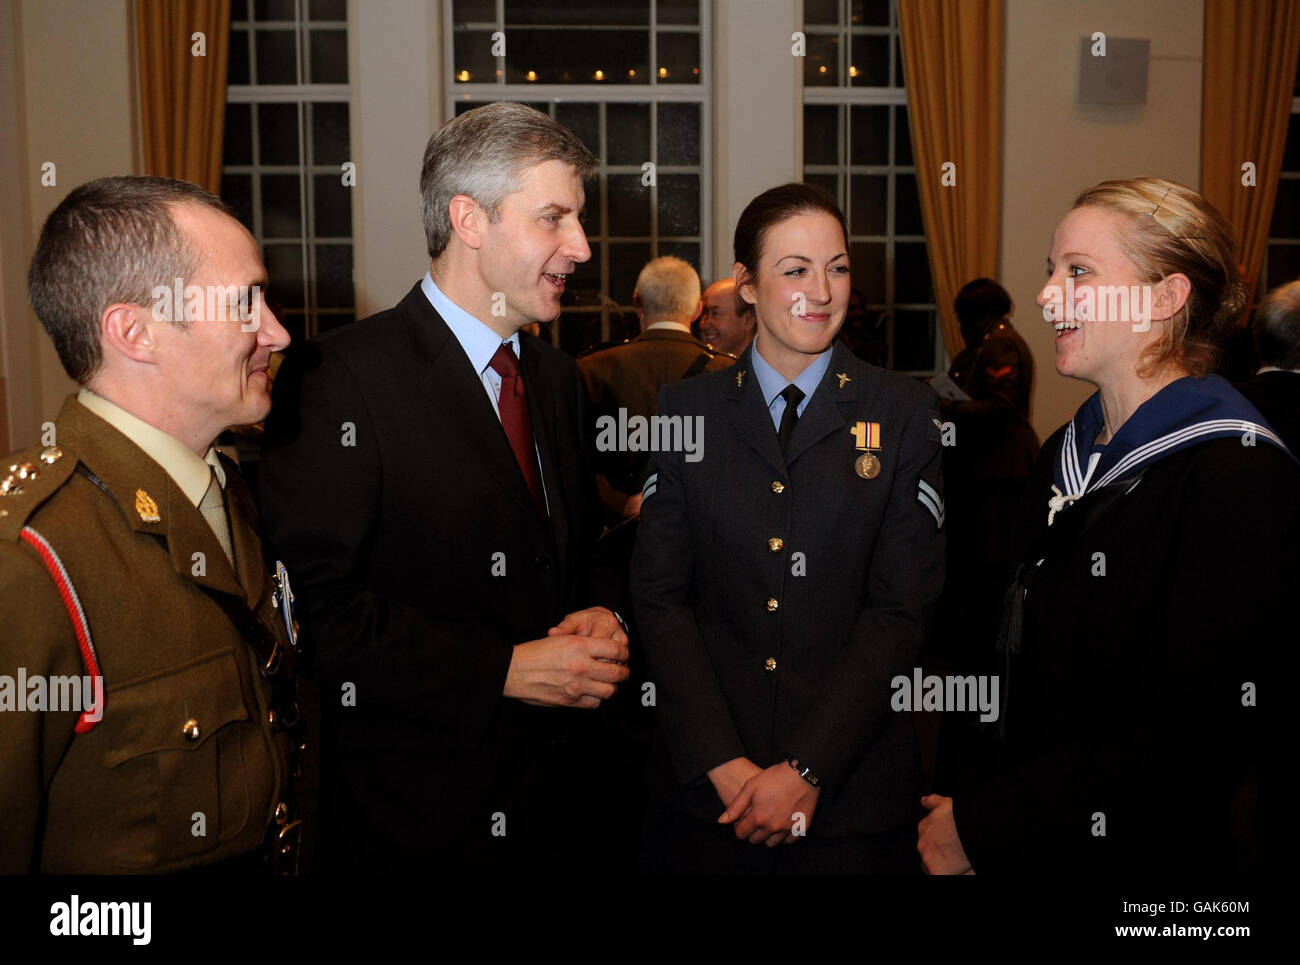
771, 382
480, 343
478, 340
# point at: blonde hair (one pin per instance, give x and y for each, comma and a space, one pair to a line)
1170, 228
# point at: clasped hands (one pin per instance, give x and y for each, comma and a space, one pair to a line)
764, 802
579, 663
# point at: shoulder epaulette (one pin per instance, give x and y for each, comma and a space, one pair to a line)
600, 347
27, 479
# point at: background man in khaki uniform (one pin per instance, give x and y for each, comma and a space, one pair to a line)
185, 762
628, 375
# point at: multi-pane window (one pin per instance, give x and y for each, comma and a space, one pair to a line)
1283, 262
285, 162
857, 144
630, 79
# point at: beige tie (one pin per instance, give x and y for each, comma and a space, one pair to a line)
213, 508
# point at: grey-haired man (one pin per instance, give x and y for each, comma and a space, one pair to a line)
425, 477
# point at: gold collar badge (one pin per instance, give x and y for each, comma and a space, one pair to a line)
146, 507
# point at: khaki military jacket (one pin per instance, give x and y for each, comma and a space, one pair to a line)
188, 765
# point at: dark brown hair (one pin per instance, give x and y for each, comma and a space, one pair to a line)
981, 300
768, 210
111, 240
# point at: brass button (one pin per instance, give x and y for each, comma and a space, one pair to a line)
776, 544
272, 718
772, 604
281, 813
769, 664
51, 455
778, 487
191, 729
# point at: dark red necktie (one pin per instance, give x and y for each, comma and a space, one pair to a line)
513, 405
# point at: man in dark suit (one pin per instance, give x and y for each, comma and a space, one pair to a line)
623, 380
425, 472
1275, 389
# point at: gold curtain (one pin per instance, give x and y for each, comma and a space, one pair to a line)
1251, 50
952, 51
182, 94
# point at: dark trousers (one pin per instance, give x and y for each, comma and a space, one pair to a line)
677, 843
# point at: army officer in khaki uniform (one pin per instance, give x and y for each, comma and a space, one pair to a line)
129, 555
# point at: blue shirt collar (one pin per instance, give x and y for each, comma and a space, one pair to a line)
772, 382
478, 340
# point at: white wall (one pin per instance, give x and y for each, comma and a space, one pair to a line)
758, 111
395, 54
1053, 147
74, 103
16, 407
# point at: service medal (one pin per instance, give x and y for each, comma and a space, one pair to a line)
867, 465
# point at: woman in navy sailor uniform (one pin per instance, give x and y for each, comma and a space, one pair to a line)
1158, 568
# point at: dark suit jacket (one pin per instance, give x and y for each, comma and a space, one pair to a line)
851, 608
390, 488
1277, 397
629, 376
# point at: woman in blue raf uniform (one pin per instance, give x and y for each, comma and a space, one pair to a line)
784, 575
1157, 576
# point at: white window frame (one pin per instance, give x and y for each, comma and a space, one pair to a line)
846, 98
652, 93
299, 95
1266, 284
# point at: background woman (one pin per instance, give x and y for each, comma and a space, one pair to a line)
1160, 560
781, 581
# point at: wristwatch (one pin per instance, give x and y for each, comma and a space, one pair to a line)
804, 772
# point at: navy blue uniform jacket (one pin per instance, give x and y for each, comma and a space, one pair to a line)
852, 565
